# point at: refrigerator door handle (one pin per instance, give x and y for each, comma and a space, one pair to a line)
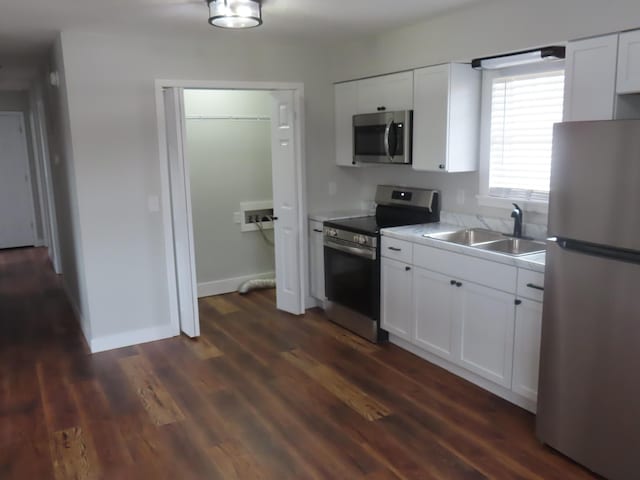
622, 255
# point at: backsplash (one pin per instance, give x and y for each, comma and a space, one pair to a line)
503, 225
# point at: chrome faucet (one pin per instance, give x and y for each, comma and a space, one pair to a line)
517, 216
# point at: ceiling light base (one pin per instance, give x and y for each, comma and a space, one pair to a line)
235, 14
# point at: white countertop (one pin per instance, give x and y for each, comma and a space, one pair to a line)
415, 234
338, 215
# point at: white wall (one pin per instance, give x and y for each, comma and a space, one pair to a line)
110, 82
230, 162
18, 101
65, 189
486, 29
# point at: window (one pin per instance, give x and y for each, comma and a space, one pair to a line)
520, 106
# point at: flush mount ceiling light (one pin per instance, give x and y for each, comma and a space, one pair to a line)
519, 58
235, 13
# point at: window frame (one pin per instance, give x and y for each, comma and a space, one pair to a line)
483, 197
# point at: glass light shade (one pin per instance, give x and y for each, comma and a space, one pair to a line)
235, 13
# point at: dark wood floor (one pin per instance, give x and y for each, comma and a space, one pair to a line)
262, 395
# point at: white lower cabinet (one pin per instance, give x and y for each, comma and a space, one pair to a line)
526, 349
486, 320
395, 301
433, 316
478, 331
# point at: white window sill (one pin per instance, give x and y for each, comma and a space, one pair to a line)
507, 203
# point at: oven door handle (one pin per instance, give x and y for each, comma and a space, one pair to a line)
387, 133
367, 253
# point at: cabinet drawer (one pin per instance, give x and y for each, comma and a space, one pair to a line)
530, 284
484, 272
397, 249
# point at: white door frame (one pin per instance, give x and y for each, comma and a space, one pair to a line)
298, 89
20, 115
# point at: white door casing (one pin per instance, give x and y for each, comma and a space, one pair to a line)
17, 216
289, 289
183, 245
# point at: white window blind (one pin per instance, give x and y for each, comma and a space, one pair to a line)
523, 111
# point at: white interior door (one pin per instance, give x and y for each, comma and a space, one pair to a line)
16, 200
181, 212
289, 289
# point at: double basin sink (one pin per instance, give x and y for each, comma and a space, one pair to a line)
491, 241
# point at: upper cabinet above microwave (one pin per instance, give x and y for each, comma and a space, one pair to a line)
446, 118
385, 93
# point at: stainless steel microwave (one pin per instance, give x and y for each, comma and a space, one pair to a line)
384, 137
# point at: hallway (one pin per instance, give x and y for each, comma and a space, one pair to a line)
262, 394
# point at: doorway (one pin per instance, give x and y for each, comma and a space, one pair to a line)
17, 214
285, 212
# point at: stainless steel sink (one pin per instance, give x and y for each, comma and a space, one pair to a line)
469, 237
514, 246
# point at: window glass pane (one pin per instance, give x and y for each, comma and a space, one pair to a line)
523, 111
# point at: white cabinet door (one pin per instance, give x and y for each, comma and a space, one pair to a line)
629, 62
446, 118
385, 93
396, 305
345, 96
590, 79
526, 349
486, 319
433, 300
316, 260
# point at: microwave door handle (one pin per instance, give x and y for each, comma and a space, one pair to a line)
387, 132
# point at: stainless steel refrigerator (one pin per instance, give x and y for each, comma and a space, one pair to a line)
589, 392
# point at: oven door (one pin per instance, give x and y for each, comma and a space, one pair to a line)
352, 277
382, 137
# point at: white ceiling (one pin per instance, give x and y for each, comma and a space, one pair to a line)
29, 26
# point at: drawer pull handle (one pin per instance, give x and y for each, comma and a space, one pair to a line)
395, 249
317, 231
406, 269
458, 284
452, 282
518, 302
535, 287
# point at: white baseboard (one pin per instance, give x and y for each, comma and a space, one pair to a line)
219, 287
40, 243
135, 337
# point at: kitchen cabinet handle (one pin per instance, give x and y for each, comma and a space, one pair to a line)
317, 231
382, 108
535, 287
452, 282
441, 166
458, 284
395, 249
518, 302
406, 269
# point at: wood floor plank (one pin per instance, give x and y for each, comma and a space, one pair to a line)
234, 462
155, 399
73, 457
222, 305
203, 348
362, 403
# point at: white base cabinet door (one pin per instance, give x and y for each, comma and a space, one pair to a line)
433, 301
316, 260
590, 79
486, 319
396, 293
526, 349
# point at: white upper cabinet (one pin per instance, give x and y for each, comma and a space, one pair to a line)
446, 118
590, 79
345, 96
629, 63
385, 93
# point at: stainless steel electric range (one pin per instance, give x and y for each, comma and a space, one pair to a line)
352, 256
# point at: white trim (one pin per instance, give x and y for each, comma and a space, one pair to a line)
167, 220
25, 147
84, 326
135, 337
44, 240
220, 287
482, 382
